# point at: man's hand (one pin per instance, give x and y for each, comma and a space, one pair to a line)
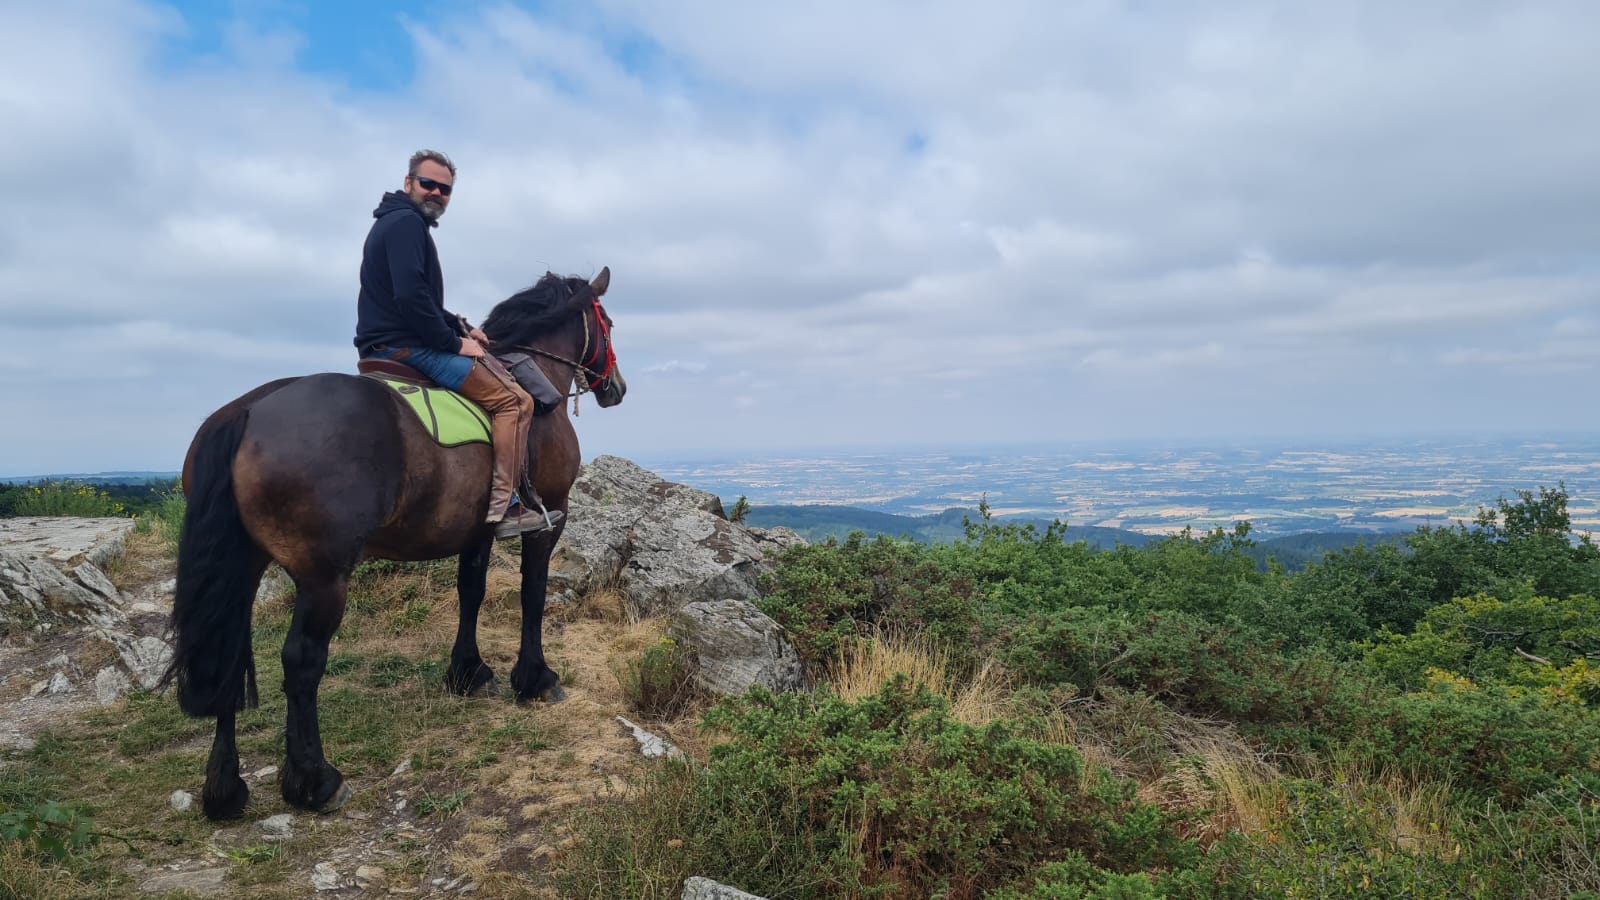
478, 335
470, 346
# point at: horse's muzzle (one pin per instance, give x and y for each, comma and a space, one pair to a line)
611, 389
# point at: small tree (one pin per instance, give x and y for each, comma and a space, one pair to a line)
741, 509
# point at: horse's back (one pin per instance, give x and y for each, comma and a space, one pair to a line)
333, 467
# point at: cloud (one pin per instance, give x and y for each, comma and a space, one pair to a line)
864, 210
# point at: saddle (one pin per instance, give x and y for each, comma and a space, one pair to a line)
451, 419
520, 365
454, 420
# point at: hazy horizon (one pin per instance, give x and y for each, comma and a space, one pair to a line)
723, 453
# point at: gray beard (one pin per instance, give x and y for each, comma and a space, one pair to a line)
431, 211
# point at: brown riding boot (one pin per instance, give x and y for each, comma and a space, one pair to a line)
510, 412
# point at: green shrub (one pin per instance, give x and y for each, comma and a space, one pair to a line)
1487, 741
825, 594
660, 683
1338, 840
1295, 702
916, 800
1490, 640
1554, 839
1075, 878
67, 498
164, 519
813, 796
49, 830
1351, 593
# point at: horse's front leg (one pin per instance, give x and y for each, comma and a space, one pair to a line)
308, 781
468, 673
532, 678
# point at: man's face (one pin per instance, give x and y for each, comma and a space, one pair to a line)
428, 188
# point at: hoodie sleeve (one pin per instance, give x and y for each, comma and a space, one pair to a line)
413, 296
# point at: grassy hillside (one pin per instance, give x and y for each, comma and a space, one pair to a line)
1013, 716
1416, 720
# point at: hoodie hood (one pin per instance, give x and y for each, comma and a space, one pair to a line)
395, 201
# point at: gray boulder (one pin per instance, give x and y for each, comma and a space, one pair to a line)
663, 545
698, 888
737, 646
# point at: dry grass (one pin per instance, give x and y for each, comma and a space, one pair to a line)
1180, 763
1417, 813
605, 604
865, 666
24, 876
145, 558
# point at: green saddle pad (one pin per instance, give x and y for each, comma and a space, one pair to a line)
452, 419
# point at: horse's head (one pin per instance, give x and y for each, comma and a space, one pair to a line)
561, 318
600, 359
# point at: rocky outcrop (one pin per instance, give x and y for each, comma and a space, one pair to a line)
51, 582
736, 646
50, 573
662, 545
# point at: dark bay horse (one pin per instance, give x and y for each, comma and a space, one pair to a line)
319, 472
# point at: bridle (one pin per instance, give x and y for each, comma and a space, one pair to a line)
603, 352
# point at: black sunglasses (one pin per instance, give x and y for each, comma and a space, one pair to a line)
428, 184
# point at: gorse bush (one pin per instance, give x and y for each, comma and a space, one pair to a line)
164, 519
67, 498
1489, 639
1341, 840
1554, 839
826, 595
814, 796
1487, 741
659, 684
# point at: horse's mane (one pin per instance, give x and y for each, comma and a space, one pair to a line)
534, 311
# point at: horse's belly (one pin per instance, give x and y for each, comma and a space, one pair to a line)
442, 505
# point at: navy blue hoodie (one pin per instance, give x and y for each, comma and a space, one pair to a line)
402, 287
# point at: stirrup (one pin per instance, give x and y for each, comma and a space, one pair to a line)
527, 522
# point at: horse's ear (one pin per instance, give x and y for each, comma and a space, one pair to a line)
601, 282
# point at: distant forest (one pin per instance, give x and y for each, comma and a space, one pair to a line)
818, 523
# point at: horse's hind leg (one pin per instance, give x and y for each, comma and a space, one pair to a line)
467, 672
225, 793
308, 781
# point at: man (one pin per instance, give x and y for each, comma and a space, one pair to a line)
400, 315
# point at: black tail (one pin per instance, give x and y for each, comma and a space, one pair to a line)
217, 574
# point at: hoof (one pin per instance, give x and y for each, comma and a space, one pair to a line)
338, 800
477, 684
555, 694
227, 803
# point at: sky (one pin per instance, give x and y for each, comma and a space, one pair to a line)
829, 224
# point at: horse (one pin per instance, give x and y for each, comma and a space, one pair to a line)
318, 472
